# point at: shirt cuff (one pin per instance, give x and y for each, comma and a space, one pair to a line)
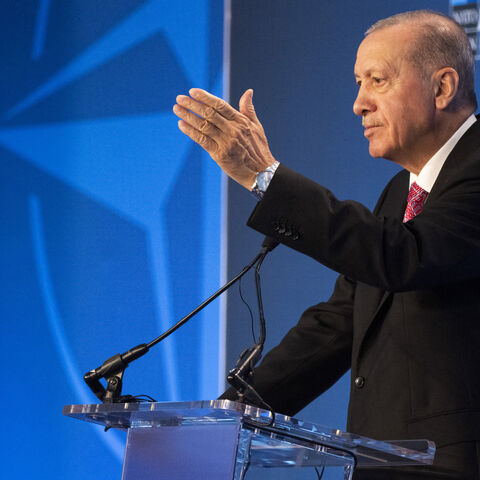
263, 180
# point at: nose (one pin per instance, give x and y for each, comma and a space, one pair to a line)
363, 103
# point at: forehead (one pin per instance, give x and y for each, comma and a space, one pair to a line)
384, 48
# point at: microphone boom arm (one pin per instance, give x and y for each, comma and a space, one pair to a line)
112, 369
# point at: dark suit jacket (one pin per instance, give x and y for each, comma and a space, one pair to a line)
405, 312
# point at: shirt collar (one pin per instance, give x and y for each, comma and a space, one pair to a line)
429, 173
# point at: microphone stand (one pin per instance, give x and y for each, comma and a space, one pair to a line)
112, 369
241, 376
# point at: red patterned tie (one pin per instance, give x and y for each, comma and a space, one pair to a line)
416, 197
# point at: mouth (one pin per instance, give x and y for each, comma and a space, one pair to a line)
369, 129
370, 125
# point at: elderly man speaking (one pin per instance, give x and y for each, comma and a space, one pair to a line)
405, 312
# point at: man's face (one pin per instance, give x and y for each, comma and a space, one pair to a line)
396, 104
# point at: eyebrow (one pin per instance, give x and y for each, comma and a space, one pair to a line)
373, 70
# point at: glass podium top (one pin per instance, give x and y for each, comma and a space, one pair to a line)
287, 438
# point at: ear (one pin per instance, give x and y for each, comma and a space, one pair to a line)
446, 82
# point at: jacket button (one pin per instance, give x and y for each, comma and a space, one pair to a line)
359, 382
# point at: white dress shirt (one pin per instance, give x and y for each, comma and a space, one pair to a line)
429, 173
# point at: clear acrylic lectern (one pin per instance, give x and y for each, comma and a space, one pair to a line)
220, 439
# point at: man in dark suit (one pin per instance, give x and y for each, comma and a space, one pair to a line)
404, 315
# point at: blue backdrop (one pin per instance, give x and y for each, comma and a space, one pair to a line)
111, 218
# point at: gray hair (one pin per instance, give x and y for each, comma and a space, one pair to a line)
440, 42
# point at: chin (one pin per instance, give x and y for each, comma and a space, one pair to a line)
376, 152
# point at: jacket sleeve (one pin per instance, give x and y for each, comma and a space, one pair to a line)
311, 357
440, 246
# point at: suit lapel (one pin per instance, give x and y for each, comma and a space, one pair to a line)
393, 207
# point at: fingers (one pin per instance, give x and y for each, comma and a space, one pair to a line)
205, 119
201, 124
219, 105
246, 106
207, 112
203, 140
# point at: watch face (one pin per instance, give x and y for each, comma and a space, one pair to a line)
264, 178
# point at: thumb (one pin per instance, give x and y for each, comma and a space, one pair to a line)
245, 106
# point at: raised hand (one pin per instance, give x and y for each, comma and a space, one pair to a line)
235, 139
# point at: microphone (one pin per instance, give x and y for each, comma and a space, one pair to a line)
269, 244
112, 369
241, 376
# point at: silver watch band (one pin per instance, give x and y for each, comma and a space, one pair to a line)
263, 180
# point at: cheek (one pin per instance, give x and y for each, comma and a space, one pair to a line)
416, 123
399, 122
